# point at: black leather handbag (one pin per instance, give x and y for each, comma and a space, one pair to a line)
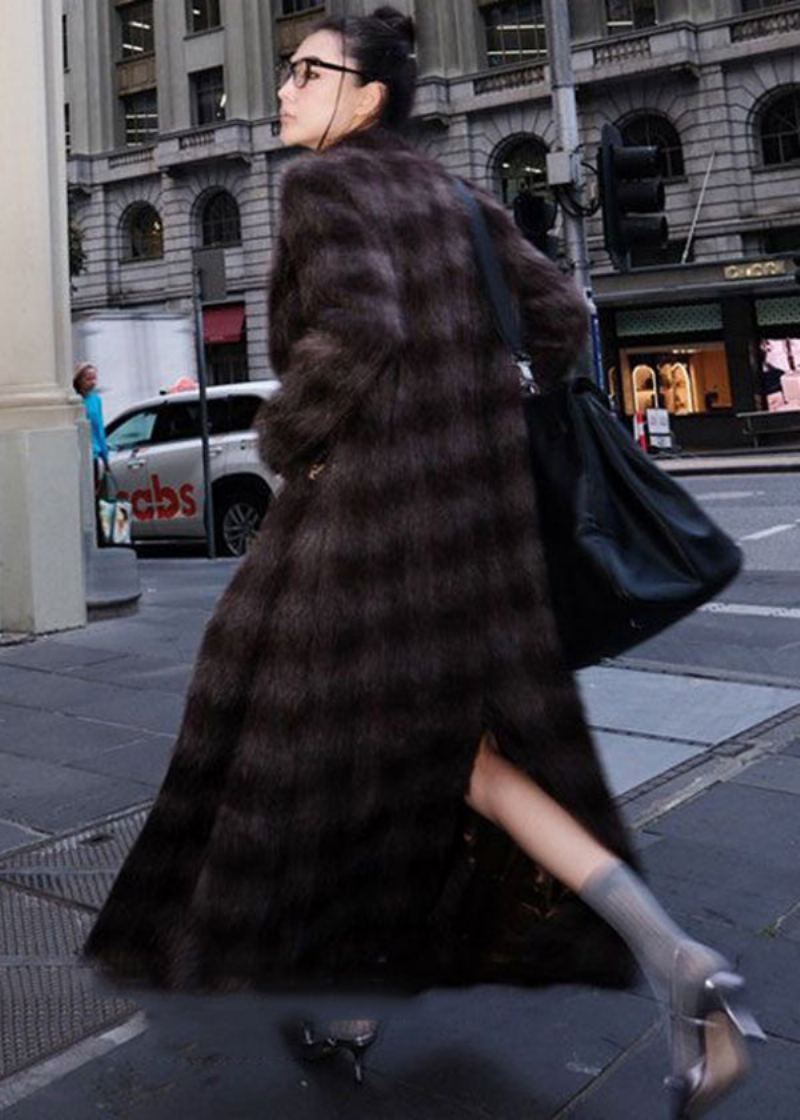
628, 551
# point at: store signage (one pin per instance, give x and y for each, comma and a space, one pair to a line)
758, 270
658, 428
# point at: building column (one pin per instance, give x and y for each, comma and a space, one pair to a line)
41, 568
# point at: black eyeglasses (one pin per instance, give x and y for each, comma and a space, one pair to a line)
300, 70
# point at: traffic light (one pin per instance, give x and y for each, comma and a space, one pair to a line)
631, 196
535, 215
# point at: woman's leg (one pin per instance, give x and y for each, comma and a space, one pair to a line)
544, 830
677, 967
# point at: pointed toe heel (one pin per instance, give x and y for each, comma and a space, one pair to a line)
724, 1025
353, 1036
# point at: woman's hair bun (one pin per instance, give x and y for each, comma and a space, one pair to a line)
401, 24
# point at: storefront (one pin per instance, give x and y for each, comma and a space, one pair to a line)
706, 363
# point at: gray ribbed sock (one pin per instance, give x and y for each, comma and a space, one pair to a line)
619, 896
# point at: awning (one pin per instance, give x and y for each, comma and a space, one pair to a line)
223, 324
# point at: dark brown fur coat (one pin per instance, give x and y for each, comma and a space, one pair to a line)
312, 825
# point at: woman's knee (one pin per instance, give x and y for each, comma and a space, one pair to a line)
486, 771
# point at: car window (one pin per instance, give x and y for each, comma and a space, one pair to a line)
135, 430
243, 412
181, 420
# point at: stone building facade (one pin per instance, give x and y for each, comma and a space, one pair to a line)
173, 144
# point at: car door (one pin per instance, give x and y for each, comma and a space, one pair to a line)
129, 439
242, 440
175, 465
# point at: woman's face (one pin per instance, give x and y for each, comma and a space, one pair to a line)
88, 380
331, 101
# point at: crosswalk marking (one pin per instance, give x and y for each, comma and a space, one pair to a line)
768, 532
752, 610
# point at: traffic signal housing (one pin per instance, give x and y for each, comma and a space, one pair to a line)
535, 215
631, 196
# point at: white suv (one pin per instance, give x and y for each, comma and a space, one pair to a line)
156, 458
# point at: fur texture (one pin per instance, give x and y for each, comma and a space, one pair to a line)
312, 827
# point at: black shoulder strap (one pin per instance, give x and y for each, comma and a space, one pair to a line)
506, 318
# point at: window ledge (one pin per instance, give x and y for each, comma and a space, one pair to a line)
140, 260
205, 31
316, 10
765, 168
135, 58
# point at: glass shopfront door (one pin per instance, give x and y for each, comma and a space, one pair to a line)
685, 379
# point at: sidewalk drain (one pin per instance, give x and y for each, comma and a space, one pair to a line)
79, 868
48, 1000
47, 897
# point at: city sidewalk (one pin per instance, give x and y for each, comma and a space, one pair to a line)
746, 460
707, 772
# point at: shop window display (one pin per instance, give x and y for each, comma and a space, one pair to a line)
780, 374
684, 380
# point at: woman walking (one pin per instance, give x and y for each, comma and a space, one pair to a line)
383, 756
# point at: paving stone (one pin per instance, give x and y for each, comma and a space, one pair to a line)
143, 760
14, 836
771, 966
635, 1088
509, 1052
156, 711
778, 773
172, 637
699, 881
693, 709
141, 672
740, 819
55, 798
55, 737
790, 926
630, 760
53, 654
45, 691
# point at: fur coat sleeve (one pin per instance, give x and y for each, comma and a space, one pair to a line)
335, 312
555, 315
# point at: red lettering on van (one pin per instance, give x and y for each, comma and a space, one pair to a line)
166, 500
187, 497
162, 502
142, 505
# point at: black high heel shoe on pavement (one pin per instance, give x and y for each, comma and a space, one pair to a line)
711, 1025
354, 1036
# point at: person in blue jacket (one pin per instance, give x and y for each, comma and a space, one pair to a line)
85, 385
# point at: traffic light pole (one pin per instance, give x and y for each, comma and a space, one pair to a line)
565, 110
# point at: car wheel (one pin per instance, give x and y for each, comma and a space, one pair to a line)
238, 515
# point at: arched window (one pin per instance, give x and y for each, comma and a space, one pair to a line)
522, 166
220, 221
142, 233
647, 129
779, 129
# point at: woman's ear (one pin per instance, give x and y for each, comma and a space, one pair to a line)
373, 95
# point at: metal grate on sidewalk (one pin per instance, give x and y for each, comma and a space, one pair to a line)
48, 896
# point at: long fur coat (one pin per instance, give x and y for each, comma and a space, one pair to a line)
312, 827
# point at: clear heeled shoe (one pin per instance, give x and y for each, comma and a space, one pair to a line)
353, 1036
710, 1019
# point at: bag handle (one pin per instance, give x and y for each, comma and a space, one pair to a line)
505, 314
